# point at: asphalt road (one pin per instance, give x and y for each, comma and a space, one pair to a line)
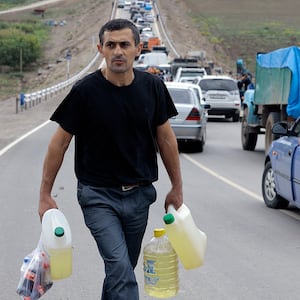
252, 251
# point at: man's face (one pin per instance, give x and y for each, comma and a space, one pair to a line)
119, 50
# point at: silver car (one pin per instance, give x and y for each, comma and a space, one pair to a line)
190, 123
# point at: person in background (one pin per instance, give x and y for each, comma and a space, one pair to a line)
243, 83
251, 85
119, 118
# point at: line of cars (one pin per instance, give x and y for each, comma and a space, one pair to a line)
198, 98
194, 99
221, 92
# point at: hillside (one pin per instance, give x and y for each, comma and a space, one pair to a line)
82, 21
236, 28
225, 30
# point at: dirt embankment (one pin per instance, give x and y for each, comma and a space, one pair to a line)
79, 34
185, 35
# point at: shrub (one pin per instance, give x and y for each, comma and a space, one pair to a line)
20, 38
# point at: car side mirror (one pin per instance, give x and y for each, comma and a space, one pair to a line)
280, 128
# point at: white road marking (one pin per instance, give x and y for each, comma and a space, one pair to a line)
224, 179
5, 149
236, 186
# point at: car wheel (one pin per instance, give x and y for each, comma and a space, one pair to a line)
200, 145
271, 198
236, 117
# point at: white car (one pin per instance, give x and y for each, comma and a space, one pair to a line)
190, 123
192, 73
222, 93
153, 58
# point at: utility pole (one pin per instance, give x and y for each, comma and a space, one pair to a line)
21, 60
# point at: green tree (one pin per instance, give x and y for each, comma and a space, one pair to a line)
20, 36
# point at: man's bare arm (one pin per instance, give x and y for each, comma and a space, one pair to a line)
52, 163
168, 148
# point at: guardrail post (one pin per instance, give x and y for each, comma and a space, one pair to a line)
17, 104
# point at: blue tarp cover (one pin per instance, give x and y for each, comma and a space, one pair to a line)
282, 58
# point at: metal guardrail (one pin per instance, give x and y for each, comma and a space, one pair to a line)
31, 99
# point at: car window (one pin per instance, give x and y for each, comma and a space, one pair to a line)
191, 73
218, 84
197, 92
181, 96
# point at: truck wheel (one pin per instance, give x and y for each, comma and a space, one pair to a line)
273, 118
249, 139
271, 198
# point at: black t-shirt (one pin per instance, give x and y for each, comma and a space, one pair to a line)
115, 128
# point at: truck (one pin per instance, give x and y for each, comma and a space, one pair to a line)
150, 43
276, 96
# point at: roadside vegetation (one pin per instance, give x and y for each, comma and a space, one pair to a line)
21, 46
21, 43
246, 42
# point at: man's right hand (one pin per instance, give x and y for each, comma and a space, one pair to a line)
46, 202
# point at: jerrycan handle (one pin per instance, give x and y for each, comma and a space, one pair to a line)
171, 209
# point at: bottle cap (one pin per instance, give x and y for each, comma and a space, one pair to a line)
59, 231
169, 219
158, 232
26, 259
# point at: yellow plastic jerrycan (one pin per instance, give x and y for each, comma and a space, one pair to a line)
57, 240
187, 239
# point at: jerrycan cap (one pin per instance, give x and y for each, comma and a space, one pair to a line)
59, 231
158, 232
169, 218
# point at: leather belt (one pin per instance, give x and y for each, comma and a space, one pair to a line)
129, 187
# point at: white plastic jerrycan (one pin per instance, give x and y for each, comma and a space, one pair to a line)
187, 239
57, 240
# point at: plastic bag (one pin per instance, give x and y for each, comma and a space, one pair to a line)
35, 278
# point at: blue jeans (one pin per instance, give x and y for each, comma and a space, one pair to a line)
117, 220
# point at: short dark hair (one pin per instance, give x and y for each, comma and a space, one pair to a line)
119, 24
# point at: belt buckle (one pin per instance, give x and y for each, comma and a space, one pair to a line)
126, 188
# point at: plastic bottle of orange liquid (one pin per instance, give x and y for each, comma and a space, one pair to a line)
57, 240
187, 239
